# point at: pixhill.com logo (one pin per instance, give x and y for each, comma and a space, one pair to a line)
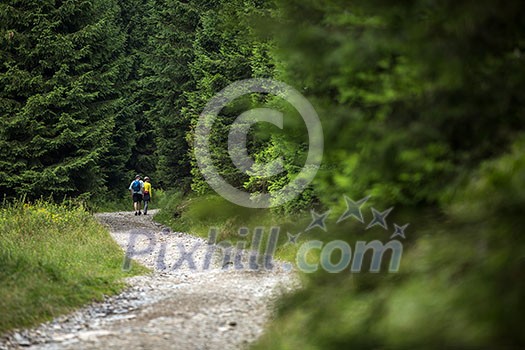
257, 251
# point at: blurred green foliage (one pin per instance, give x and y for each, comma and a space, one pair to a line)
422, 108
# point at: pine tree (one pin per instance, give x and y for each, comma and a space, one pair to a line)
132, 144
60, 71
171, 28
226, 50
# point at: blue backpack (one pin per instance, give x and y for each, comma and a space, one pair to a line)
136, 187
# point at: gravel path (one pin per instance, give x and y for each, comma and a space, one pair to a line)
180, 305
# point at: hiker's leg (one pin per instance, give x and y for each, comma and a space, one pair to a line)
146, 207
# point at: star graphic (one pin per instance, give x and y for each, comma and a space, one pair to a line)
353, 209
318, 220
379, 218
399, 231
293, 238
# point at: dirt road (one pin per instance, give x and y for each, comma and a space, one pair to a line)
191, 300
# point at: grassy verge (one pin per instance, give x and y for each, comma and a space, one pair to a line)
109, 205
53, 259
197, 215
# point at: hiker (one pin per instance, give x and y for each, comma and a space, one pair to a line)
136, 189
147, 194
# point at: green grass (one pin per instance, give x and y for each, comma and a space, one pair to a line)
196, 215
108, 205
53, 259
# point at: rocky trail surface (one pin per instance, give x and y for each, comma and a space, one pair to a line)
190, 300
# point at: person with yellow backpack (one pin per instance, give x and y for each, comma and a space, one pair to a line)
146, 194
